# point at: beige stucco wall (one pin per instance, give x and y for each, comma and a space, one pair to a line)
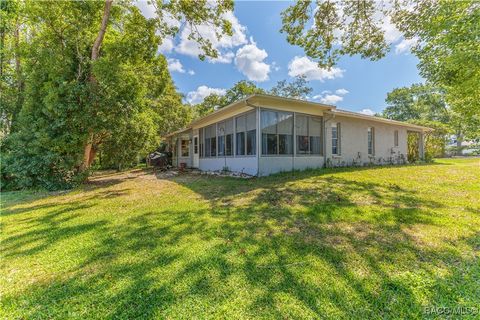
354, 146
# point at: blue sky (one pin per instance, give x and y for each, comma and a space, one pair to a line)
259, 52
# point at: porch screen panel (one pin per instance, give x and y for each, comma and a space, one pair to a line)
240, 123
303, 142
315, 134
277, 132
210, 141
251, 127
285, 132
229, 137
269, 132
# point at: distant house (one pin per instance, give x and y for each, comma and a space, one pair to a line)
463, 147
264, 134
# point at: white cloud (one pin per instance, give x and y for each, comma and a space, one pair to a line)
341, 91
304, 66
191, 72
202, 92
249, 61
147, 9
225, 57
224, 45
368, 112
392, 34
166, 46
174, 65
405, 45
330, 99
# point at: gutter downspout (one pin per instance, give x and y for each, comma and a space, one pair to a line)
257, 126
325, 138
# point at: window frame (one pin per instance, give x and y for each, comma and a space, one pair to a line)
195, 145
338, 138
245, 133
371, 141
296, 135
207, 152
395, 139
223, 137
277, 154
182, 154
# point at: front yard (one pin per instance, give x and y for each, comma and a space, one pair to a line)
338, 243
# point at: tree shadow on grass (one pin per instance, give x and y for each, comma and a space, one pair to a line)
17, 202
262, 248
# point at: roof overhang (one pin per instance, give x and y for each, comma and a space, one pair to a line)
250, 103
280, 103
355, 115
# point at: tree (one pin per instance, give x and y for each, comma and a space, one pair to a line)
240, 90
193, 15
211, 103
426, 105
417, 102
327, 30
95, 82
296, 89
11, 71
445, 32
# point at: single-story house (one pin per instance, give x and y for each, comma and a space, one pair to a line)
263, 134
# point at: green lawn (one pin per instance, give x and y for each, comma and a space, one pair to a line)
339, 243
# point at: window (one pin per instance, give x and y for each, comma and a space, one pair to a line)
185, 148
277, 132
251, 142
246, 134
395, 138
371, 141
336, 138
240, 143
308, 135
225, 137
195, 145
210, 141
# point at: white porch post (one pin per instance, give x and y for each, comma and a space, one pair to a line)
259, 138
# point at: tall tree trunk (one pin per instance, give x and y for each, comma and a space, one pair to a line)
19, 74
459, 143
2, 49
89, 150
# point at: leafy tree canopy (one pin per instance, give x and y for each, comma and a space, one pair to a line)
84, 78
446, 34
426, 105
416, 102
240, 90
298, 89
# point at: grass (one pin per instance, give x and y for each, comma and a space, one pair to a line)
368, 243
